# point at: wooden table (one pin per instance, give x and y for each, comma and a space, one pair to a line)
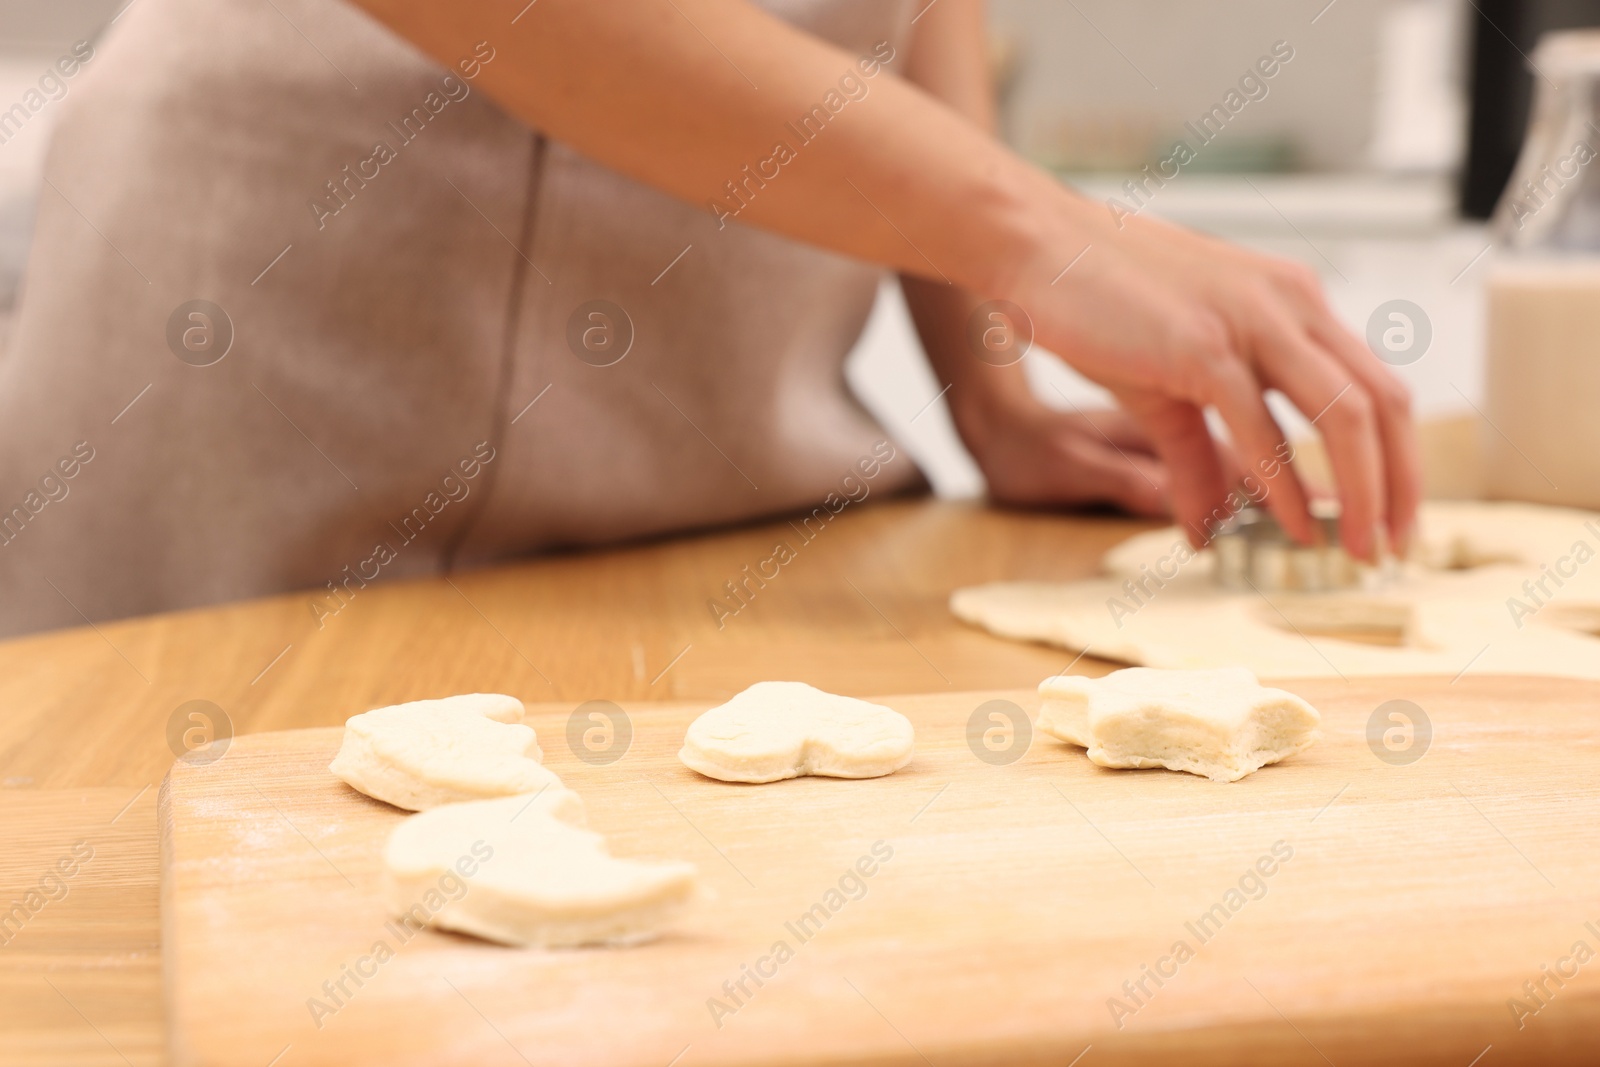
83, 731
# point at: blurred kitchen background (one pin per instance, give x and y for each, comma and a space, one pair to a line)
1374, 157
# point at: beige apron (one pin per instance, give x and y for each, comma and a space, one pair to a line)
402, 391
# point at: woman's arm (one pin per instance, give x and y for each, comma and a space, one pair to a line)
1029, 453
685, 94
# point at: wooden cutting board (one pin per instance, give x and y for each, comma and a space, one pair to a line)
1007, 905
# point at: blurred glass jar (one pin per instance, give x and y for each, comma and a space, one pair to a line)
1543, 380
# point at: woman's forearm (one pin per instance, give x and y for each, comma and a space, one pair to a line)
722, 105
950, 61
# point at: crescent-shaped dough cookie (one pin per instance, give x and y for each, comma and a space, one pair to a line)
516, 870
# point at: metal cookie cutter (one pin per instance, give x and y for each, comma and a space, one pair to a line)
1252, 551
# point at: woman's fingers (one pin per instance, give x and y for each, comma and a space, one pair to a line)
1117, 428
1100, 471
1045, 457
1338, 404
1391, 403
1211, 326
1195, 480
1260, 446
1233, 469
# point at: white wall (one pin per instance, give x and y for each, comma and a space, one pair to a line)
1163, 61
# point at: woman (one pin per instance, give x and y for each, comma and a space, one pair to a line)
328, 295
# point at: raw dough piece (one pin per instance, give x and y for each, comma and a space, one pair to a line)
1451, 535
1220, 724
532, 875
1457, 534
431, 752
776, 730
1160, 608
496, 706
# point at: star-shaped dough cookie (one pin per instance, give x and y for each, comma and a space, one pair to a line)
1221, 724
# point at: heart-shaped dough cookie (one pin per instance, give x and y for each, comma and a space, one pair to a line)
777, 730
431, 752
523, 871
1221, 724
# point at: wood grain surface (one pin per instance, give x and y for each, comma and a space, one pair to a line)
1339, 908
862, 609
80, 974
84, 713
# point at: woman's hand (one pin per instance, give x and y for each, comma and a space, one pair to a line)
1035, 456
1173, 322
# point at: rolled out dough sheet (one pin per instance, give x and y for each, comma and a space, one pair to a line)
1494, 588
